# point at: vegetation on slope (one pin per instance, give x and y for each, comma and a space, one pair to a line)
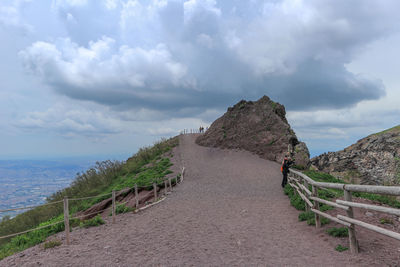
149, 165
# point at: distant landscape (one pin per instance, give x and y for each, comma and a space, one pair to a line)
29, 182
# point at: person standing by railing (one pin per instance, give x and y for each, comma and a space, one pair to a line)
286, 163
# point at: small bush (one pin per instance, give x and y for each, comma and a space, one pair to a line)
121, 208
325, 208
340, 248
323, 220
304, 216
96, 221
52, 244
295, 199
338, 232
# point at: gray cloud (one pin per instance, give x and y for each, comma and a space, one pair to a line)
182, 57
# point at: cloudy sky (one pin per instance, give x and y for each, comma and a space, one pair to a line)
105, 77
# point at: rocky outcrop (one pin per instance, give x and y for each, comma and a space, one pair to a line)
260, 127
372, 160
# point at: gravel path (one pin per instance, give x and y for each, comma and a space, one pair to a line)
230, 210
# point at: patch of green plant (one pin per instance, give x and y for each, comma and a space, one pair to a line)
340, 248
386, 221
325, 207
388, 200
393, 129
295, 200
304, 216
323, 177
338, 232
52, 244
122, 208
323, 220
30, 239
95, 221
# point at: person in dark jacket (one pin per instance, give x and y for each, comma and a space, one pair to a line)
287, 162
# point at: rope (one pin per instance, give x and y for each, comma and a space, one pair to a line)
27, 231
120, 204
30, 207
90, 214
83, 198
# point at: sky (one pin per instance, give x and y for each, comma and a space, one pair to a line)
102, 78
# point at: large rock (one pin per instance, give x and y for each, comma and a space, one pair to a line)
260, 127
372, 160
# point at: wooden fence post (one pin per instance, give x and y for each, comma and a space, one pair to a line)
136, 197
113, 206
170, 184
306, 185
352, 232
66, 219
155, 192
165, 186
316, 206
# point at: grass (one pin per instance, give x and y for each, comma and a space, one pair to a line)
336, 193
340, 248
386, 221
148, 165
338, 232
96, 221
295, 200
122, 208
52, 244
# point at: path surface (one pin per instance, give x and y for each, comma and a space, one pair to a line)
229, 211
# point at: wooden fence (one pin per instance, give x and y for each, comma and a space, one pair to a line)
193, 131
302, 183
66, 201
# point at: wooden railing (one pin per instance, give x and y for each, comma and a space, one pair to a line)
167, 183
301, 183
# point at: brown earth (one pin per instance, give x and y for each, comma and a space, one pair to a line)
229, 211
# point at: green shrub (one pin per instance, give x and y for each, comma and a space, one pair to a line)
52, 244
311, 221
122, 208
96, 221
338, 232
325, 207
340, 248
295, 200
304, 216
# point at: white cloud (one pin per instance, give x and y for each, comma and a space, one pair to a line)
62, 120
10, 16
193, 7
103, 67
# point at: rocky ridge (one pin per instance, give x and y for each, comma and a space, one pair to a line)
374, 159
259, 127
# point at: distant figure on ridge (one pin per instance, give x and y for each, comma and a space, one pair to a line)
286, 163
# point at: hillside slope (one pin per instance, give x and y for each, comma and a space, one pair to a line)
214, 218
259, 127
374, 159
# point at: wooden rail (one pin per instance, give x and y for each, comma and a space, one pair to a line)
301, 183
113, 194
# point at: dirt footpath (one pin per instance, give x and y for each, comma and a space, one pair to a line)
229, 211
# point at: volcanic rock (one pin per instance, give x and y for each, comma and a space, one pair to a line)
374, 159
260, 127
